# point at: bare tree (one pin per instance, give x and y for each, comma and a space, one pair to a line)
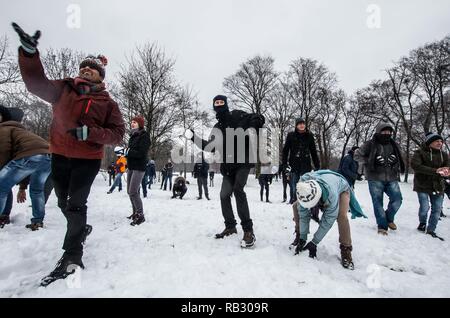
9, 69
251, 85
62, 63
147, 87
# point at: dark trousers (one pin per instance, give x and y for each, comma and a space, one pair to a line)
202, 182
235, 183
285, 184
72, 179
211, 182
112, 177
48, 187
264, 185
168, 178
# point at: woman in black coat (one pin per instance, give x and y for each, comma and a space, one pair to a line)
136, 155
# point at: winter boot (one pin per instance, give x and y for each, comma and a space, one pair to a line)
383, 232
248, 240
138, 219
296, 241
4, 219
442, 214
312, 248
199, 198
65, 267
35, 226
226, 232
422, 227
131, 216
392, 226
87, 231
346, 257
207, 197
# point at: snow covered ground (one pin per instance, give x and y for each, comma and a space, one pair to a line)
174, 253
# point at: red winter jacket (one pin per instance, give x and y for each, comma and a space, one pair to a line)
96, 110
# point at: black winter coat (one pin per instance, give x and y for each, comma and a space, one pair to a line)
201, 170
138, 146
425, 162
298, 151
348, 167
235, 119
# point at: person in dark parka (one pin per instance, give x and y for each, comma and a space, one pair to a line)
348, 167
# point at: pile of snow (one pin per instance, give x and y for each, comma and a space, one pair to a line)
174, 253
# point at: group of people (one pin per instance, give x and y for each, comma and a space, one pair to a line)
85, 118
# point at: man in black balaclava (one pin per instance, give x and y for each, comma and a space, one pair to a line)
235, 174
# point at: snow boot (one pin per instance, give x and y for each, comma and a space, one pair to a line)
65, 267
383, 232
422, 227
4, 219
226, 232
131, 216
35, 226
207, 197
346, 257
392, 226
442, 215
248, 240
296, 241
138, 219
199, 198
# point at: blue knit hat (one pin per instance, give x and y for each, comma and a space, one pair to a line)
430, 137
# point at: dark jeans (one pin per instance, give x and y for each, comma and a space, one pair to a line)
48, 187
377, 190
235, 183
202, 182
264, 185
9, 204
295, 177
169, 177
144, 183
73, 179
117, 182
285, 185
112, 177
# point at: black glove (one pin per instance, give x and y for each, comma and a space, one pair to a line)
80, 133
256, 121
392, 160
300, 246
312, 248
29, 43
359, 177
380, 160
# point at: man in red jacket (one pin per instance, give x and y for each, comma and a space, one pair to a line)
85, 118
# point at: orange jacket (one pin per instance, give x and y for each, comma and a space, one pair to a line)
121, 164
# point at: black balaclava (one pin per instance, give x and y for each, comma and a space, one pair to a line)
221, 111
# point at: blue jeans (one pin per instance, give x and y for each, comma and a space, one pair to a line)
38, 168
117, 182
9, 203
295, 177
377, 190
168, 178
436, 208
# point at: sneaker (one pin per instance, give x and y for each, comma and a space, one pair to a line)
35, 226
383, 232
65, 267
4, 219
248, 240
422, 227
226, 232
392, 226
138, 219
346, 257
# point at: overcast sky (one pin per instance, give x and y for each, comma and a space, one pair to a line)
210, 38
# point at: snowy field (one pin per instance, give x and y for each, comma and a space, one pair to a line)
174, 253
